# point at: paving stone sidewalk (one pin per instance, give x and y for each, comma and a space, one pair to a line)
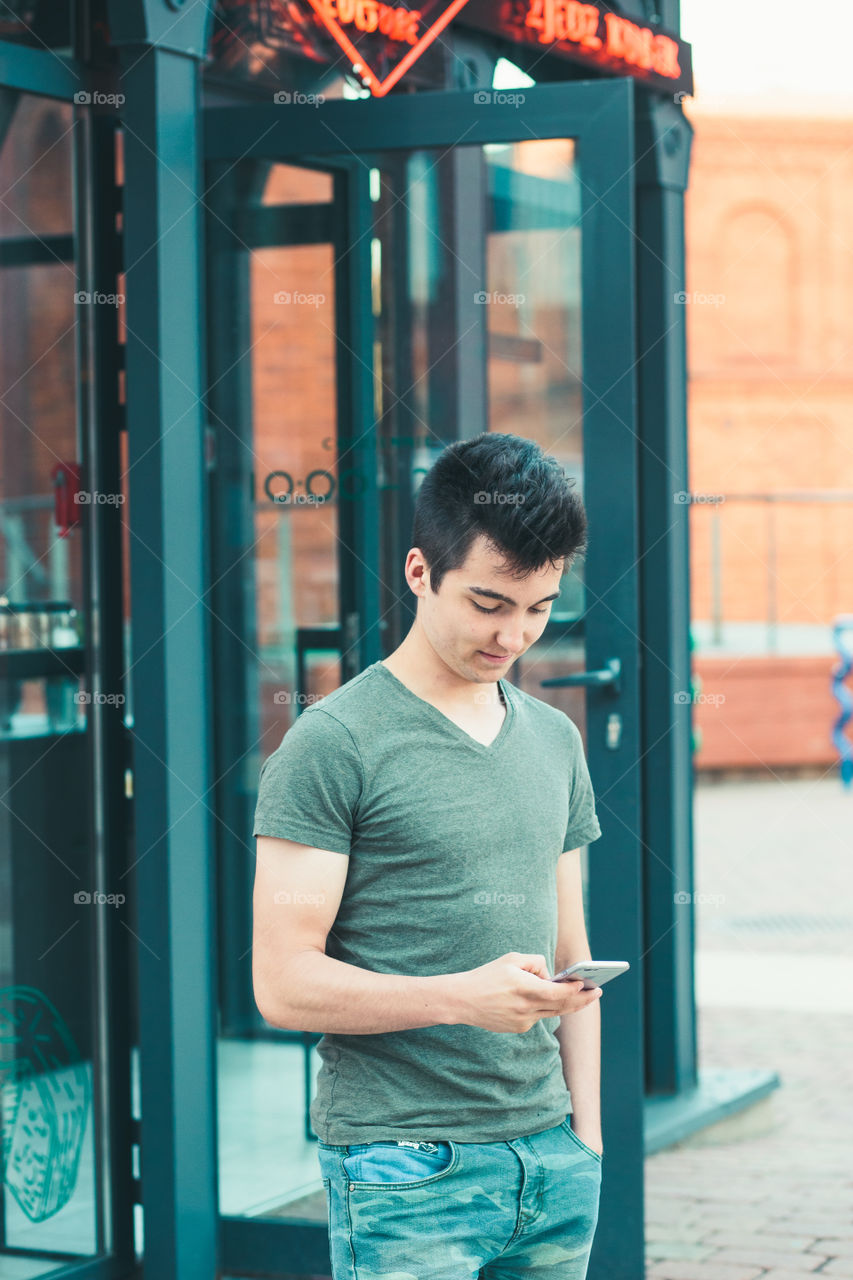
769, 1194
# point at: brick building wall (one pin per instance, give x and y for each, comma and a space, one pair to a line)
770, 404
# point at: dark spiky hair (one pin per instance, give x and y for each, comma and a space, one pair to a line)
530, 513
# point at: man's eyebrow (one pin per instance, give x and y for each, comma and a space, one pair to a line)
496, 595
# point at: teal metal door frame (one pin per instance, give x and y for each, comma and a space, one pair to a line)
599, 116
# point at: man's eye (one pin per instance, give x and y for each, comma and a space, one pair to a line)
482, 610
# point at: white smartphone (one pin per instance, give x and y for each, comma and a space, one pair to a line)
594, 972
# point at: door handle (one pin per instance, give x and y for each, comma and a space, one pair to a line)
609, 676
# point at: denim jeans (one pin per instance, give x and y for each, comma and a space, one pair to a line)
449, 1210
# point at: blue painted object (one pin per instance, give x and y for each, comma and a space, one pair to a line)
844, 622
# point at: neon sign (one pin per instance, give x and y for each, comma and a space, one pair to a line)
591, 33
395, 23
623, 39
382, 39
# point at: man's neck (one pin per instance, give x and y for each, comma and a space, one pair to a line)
416, 665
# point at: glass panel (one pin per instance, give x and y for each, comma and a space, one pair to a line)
294, 424
279, 446
48, 897
445, 308
36, 158
533, 305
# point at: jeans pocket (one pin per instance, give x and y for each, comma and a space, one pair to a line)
387, 1164
570, 1131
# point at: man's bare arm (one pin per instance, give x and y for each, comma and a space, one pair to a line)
298, 891
579, 1037
297, 894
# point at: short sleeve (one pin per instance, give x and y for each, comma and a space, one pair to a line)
583, 825
310, 787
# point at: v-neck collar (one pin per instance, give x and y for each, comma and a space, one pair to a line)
451, 725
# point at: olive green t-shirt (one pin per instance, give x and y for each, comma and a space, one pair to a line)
452, 848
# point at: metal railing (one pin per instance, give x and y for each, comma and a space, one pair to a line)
716, 503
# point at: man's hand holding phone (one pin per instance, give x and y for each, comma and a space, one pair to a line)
514, 992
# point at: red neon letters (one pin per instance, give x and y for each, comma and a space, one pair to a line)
623, 40
369, 15
565, 20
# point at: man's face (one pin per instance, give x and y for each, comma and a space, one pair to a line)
480, 610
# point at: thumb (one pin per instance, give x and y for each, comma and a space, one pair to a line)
534, 964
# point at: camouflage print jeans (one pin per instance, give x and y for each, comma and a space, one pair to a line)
462, 1210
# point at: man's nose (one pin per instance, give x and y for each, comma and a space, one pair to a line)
510, 638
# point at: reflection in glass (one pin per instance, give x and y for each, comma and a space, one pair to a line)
477, 299
294, 423
48, 898
533, 286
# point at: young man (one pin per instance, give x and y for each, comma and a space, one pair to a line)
418, 881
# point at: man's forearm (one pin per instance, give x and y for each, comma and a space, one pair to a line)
579, 1036
315, 992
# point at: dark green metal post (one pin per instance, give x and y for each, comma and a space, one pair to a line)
161, 42
663, 142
